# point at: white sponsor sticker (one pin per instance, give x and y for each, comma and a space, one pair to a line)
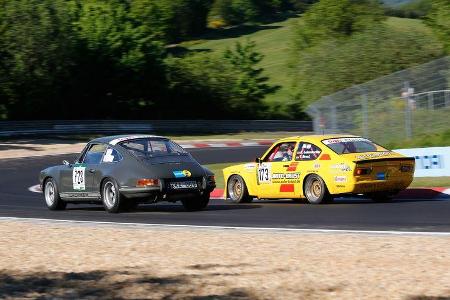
374, 155
264, 173
341, 166
340, 178
345, 140
78, 178
108, 157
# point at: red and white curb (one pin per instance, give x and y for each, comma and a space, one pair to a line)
435, 193
230, 144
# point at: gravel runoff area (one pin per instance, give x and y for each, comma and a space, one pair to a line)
69, 261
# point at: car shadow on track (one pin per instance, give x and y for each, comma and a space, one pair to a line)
341, 201
146, 208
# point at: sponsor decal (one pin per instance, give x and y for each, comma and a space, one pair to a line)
108, 157
340, 178
285, 177
316, 166
373, 155
325, 157
287, 188
292, 167
341, 167
340, 185
344, 140
78, 177
250, 167
429, 162
182, 174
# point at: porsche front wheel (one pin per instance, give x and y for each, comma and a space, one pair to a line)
237, 190
316, 191
51, 195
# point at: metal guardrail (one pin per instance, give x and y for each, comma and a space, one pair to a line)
34, 128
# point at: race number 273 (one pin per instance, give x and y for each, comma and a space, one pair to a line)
78, 178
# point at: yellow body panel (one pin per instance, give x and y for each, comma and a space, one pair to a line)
285, 178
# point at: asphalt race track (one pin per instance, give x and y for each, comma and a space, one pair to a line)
16, 175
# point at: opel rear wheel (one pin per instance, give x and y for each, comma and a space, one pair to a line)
51, 195
316, 191
237, 190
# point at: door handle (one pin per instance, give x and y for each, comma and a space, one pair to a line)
91, 170
285, 166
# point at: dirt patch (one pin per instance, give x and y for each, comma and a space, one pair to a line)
87, 261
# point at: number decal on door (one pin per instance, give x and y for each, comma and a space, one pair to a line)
264, 173
78, 178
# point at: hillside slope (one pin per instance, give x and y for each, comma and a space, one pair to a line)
274, 41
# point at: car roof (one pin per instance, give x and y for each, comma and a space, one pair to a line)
316, 137
114, 139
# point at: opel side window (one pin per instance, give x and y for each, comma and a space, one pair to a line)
307, 151
281, 152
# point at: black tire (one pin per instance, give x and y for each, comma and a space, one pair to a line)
381, 197
112, 200
195, 204
315, 190
51, 196
237, 190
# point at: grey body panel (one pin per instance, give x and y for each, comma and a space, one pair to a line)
126, 172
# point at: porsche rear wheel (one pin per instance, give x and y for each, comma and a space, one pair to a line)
316, 191
195, 204
237, 190
111, 198
51, 195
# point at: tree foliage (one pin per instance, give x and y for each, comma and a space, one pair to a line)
439, 19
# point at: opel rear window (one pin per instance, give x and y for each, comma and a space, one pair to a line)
352, 145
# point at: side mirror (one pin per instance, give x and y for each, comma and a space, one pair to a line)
258, 160
66, 163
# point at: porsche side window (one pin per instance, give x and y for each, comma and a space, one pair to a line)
111, 155
94, 154
281, 152
307, 151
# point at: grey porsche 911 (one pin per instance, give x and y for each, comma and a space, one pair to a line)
122, 171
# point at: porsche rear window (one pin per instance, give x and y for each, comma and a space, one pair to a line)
352, 145
148, 147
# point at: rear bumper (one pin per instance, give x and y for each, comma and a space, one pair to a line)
380, 186
157, 194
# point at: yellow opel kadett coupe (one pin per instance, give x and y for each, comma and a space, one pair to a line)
319, 168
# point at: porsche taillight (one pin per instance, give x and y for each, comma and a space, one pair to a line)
144, 182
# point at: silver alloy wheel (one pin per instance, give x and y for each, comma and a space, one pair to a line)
49, 193
235, 189
109, 194
314, 190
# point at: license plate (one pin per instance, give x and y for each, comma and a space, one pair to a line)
183, 185
381, 176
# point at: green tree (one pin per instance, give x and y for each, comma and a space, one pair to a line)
336, 19
37, 46
251, 84
439, 20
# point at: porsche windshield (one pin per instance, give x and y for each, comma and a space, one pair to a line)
352, 145
150, 147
